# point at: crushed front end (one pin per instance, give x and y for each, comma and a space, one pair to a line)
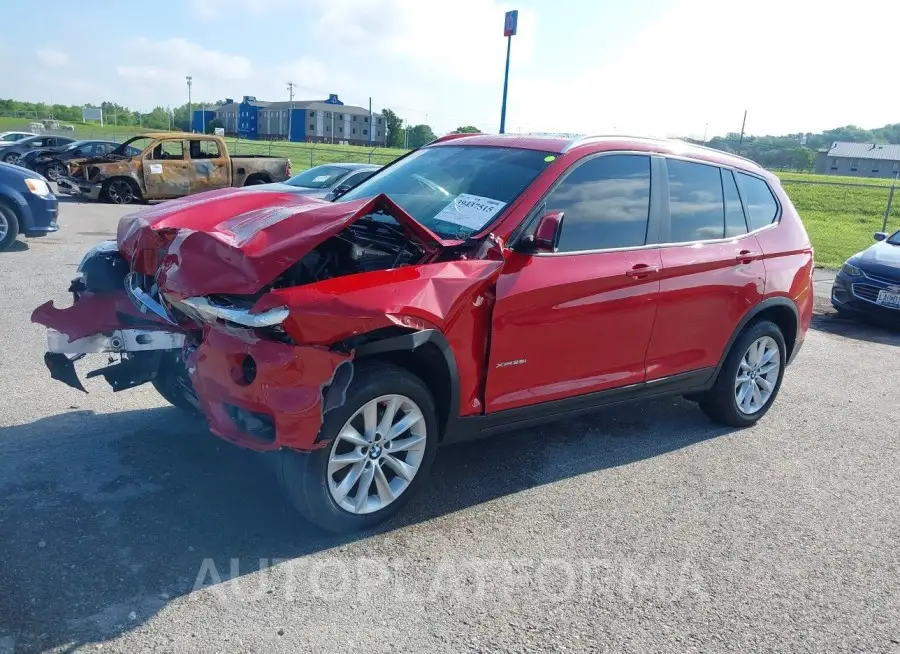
241, 303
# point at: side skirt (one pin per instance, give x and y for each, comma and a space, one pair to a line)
474, 427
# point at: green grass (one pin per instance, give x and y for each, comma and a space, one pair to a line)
812, 177
840, 220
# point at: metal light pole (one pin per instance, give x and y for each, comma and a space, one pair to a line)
743, 127
290, 88
190, 80
509, 30
887, 209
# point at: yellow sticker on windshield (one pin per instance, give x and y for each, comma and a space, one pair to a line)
549, 158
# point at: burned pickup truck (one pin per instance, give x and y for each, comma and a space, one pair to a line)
166, 166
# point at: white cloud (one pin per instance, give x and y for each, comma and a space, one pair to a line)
228, 9
53, 58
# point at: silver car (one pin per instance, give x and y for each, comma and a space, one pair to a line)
327, 181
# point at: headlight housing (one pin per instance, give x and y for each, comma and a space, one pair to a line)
202, 310
37, 186
851, 270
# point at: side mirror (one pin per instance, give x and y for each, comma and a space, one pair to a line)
549, 228
879, 236
338, 191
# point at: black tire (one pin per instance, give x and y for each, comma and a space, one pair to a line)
174, 384
720, 403
8, 217
304, 476
121, 191
11, 158
254, 180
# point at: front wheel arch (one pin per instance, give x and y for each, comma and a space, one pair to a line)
136, 190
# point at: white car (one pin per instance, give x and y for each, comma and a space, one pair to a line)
10, 138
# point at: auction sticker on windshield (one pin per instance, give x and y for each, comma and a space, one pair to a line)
471, 211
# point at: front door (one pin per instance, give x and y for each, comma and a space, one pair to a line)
209, 166
166, 171
712, 270
579, 320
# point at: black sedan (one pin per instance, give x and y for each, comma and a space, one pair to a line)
51, 162
869, 282
27, 205
11, 153
328, 181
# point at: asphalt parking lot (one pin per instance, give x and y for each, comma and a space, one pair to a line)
642, 528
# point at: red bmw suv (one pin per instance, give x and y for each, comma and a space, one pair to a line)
477, 284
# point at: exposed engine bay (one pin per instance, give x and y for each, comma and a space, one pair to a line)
372, 243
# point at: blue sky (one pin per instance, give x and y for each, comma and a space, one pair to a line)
654, 67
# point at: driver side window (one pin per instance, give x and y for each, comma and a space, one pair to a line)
606, 201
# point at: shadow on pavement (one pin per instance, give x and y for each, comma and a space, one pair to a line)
16, 246
108, 517
831, 322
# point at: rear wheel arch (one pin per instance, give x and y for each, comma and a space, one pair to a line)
257, 178
780, 310
427, 354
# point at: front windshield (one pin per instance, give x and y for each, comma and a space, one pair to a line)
318, 177
138, 143
456, 190
894, 239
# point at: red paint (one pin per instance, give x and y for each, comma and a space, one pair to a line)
94, 314
523, 328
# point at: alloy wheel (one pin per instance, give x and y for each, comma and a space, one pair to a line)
11, 158
376, 454
757, 375
4, 226
54, 172
120, 192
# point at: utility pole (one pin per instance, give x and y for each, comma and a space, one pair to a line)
743, 126
190, 80
290, 88
509, 30
332, 128
887, 210
370, 120
705, 130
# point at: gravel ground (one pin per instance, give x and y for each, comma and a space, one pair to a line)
643, 528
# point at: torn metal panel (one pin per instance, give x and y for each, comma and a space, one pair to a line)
95, 313
287, 385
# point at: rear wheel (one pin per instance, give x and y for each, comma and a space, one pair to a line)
381, 444
11, 158
9, 227
750, 378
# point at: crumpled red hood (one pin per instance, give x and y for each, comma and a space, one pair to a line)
235, 241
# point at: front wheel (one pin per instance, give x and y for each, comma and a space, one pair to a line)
174, 384
120, 191
381, 444
54, 172
750, 378
11, 158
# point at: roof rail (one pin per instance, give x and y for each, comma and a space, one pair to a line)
583, 139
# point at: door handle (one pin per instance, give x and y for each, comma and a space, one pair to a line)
746, 256
642, 271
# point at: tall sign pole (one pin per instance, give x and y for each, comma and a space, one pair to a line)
190, 80
509, 30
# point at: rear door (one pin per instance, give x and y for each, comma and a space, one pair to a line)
712, 269
166, 171
209, 166
579, 320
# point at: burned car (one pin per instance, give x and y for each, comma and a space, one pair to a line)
161, 166
477, 284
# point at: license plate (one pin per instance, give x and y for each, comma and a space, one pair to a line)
891, 300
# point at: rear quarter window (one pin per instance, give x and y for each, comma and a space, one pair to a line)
762, 208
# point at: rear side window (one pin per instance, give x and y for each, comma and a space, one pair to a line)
762, 209
695, 202
606, 201
735, 223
